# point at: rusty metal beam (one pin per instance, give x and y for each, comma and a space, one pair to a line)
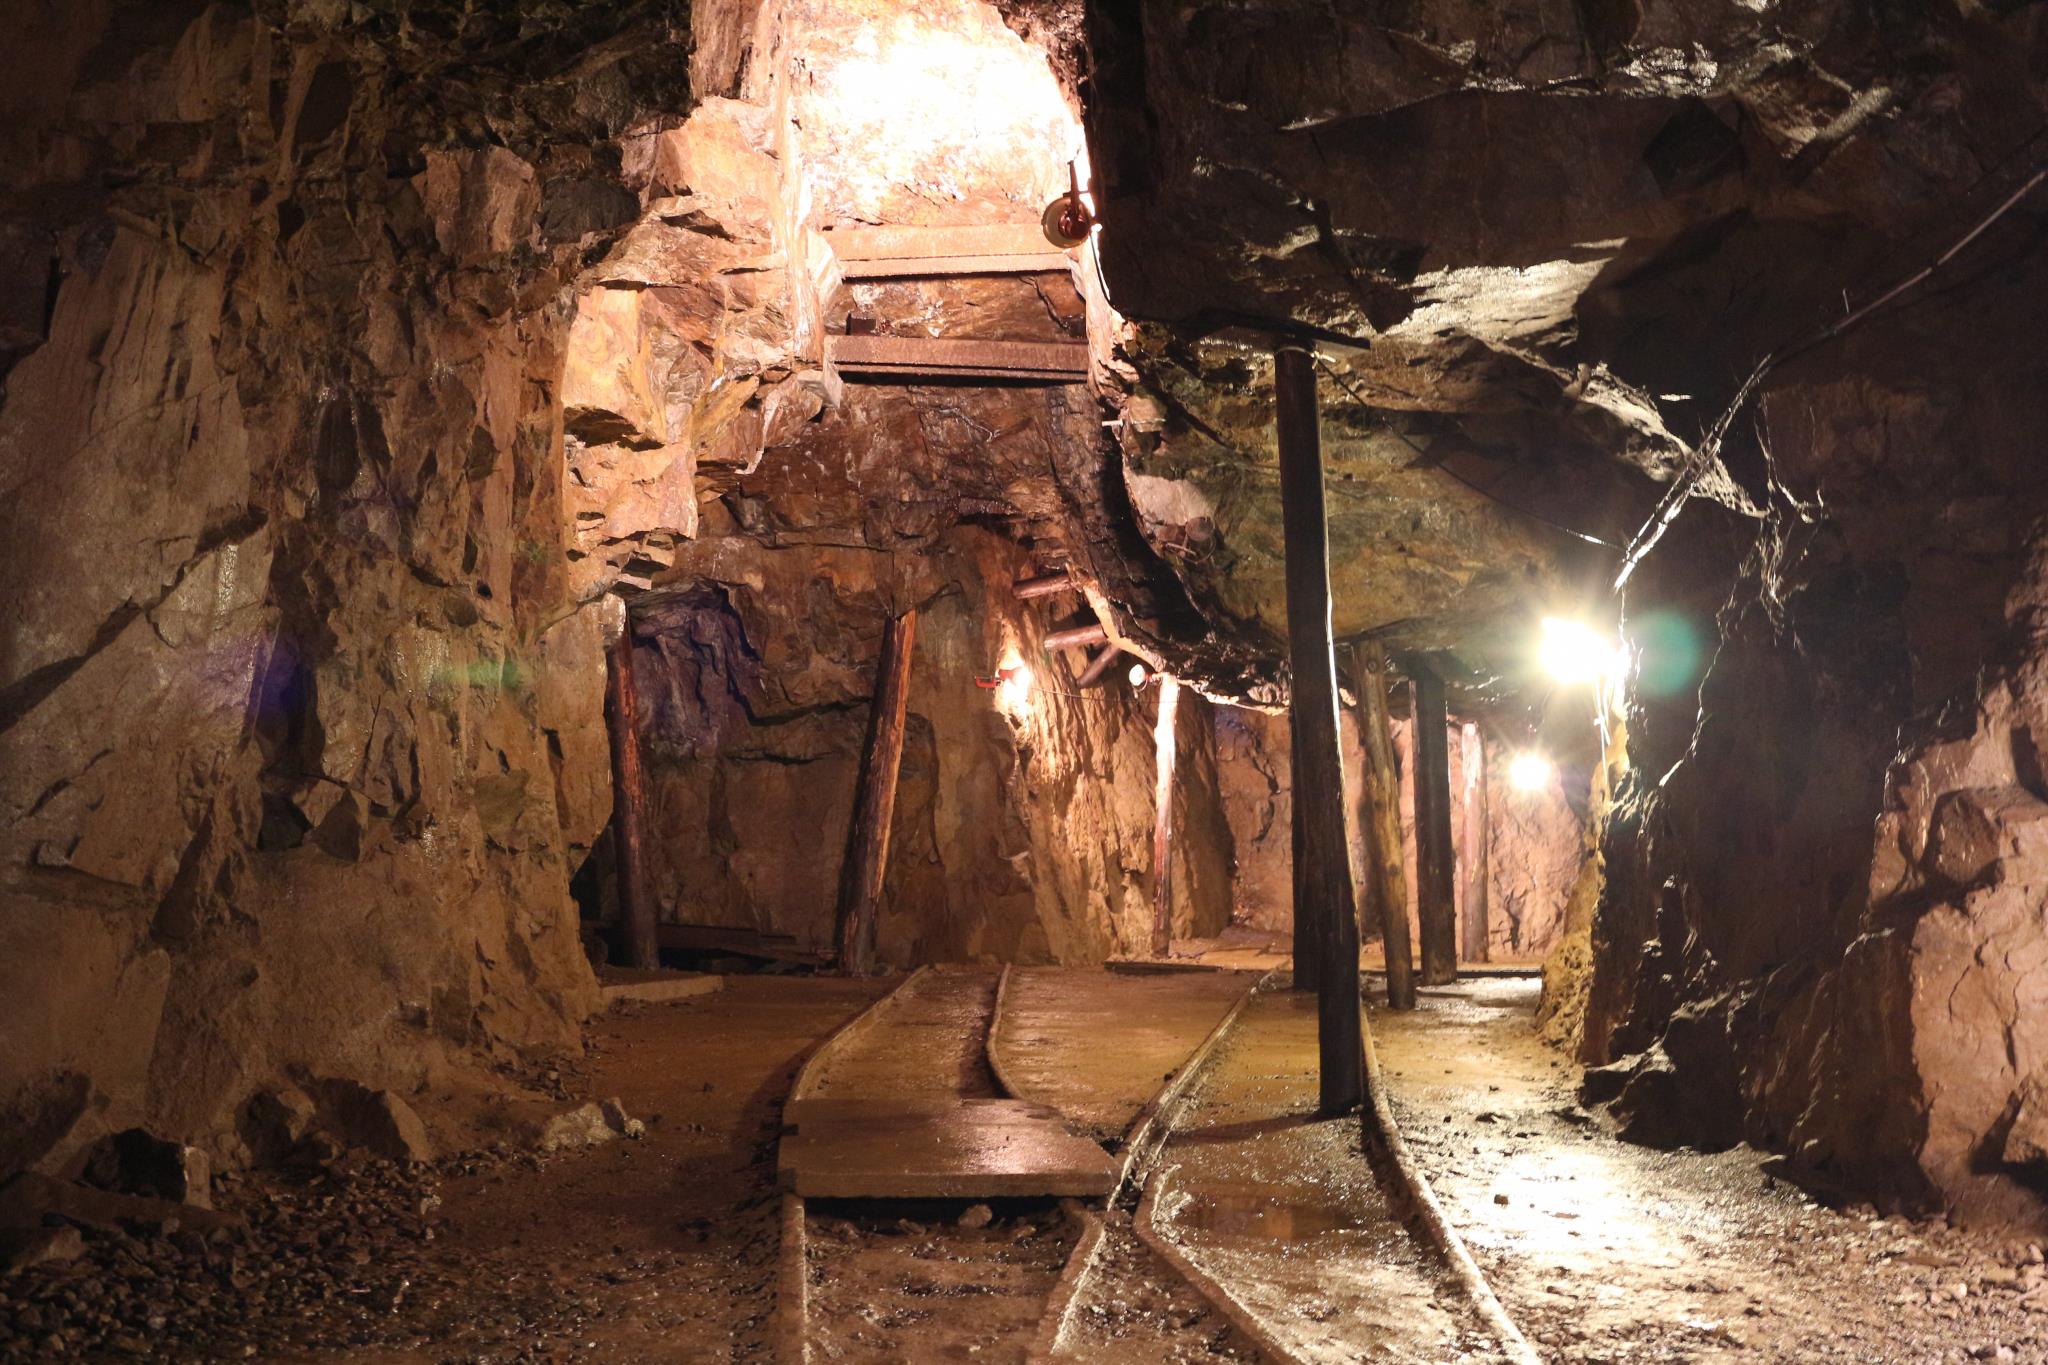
881, 357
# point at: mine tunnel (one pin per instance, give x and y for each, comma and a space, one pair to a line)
1023, 680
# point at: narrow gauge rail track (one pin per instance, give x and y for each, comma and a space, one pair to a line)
1046, 1280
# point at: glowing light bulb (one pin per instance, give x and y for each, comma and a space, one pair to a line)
1529, 771
1573, 652
1013, 690
1138, 675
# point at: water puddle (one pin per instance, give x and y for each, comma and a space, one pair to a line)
1256, 1214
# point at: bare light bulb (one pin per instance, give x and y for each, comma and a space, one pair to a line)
1137, 675
1529, 771
1573, 652
1013, 687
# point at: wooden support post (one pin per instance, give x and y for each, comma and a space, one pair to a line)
636, 911
1434, 864
1322, 855
1379, 815
874, 802
1472, 920
1164, 747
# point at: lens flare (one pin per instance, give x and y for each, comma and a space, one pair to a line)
1671, 652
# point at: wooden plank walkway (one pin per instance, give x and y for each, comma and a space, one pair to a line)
1096, 1045
907, 1108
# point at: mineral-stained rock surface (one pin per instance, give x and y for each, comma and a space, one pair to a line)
1539, 250
294, 734
355, 359
367, 368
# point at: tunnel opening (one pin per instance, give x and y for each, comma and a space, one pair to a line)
890, 679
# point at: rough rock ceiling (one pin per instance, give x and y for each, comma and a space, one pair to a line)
1536, 244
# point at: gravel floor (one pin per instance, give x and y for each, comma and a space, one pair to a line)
1607, 1253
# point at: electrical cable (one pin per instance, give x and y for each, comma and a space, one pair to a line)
1708, 453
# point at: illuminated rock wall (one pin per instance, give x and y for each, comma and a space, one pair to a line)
299, 725
1535, 839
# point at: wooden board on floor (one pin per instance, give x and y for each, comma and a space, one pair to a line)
937, 1149
656, 987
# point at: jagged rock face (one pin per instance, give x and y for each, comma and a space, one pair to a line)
1877, 670
1017, 837
772, 517
1567, 235
298, 724
1521, 214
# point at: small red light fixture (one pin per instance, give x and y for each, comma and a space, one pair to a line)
1067, 219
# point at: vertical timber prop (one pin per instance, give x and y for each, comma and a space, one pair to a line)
874, 801
1435, 864
636, 911
1380, 817
1472, 920
1164, 745
1322, 856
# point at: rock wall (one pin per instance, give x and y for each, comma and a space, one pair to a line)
1568, 233
299, 721
1827, 845
1019, 835
767, 518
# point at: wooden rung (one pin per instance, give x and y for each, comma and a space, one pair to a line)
939, 358
905, 243
925, 267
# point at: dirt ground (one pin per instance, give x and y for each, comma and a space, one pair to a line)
1610, 1254
656, 1249
665, 1248
1281, 1207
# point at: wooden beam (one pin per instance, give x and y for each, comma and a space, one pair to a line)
1046, 585
1078, 637
1435, 869
636, 910
1473, 910
1098, 666
874, 803
902, 242
1379, 815
1164, 748
928, 267
1322, 856
883, 357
